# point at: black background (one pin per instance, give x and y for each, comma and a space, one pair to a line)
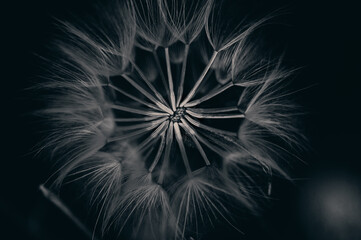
324, 37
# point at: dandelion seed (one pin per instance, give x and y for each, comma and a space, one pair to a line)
163, 135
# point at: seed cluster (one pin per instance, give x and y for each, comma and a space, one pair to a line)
177, 114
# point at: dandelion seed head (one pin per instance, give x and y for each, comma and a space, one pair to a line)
164, 108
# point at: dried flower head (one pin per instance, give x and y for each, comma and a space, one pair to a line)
164, 112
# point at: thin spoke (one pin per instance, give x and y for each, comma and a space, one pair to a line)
160, 70
141, 125
149, 84
137, 111
199, 81
209, 95
179, 139
159, 153
183, 73
134, 98
133, 134
147, 154
170, 79
140, 119
54, 199
126, 136
214, 116
157, 132
211, 146
208, 128
166, 156
90, 171
198, 145
214, 110
253, 100
145, 93
259, 92
222, 143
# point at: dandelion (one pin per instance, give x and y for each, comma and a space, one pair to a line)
161, 110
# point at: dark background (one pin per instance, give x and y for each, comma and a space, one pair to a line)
324, 37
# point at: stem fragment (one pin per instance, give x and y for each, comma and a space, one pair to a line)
62, 207
196, 142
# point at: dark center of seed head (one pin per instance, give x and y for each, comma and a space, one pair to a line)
177, 114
